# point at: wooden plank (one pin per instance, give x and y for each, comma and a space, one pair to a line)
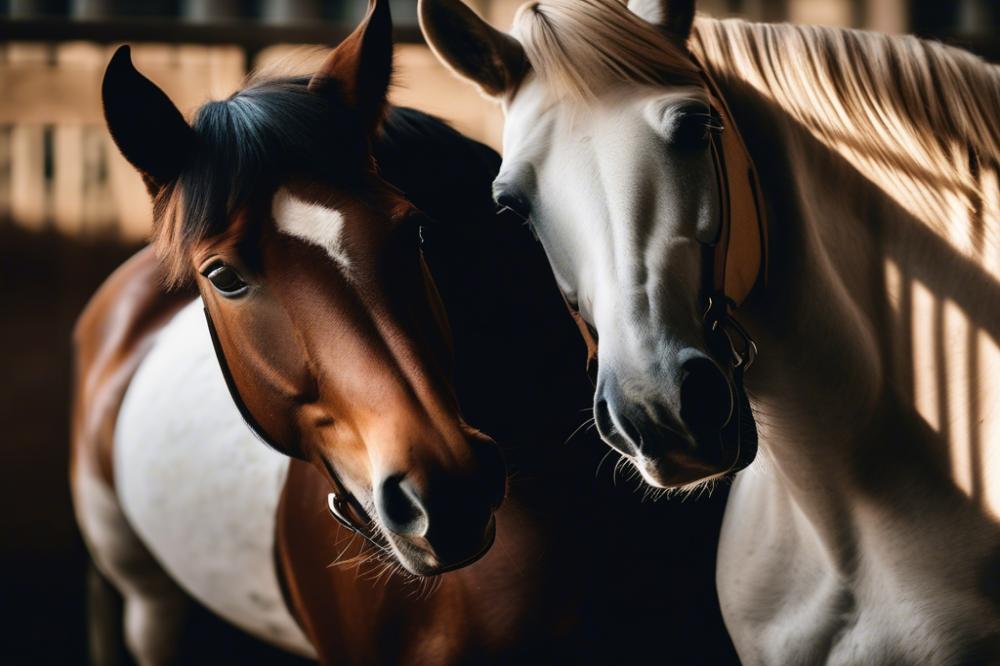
5, 158
132, 206
838, 13
248, 34
27, 151
887, 15
68, 158
27, 176
68, 176
226, 71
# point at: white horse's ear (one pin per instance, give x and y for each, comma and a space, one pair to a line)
674, 17
471, 47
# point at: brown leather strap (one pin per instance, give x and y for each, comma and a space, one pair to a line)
343, 505
740, 257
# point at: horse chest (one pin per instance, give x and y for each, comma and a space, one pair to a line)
785, 602
198, 488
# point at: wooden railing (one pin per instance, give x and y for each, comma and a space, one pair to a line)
59, 170
58, 167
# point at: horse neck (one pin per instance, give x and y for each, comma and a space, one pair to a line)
834, 388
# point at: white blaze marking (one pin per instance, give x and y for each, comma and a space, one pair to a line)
313, 223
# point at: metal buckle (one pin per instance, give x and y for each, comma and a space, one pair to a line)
337, 509
721, 322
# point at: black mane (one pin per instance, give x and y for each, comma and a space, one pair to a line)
275, 130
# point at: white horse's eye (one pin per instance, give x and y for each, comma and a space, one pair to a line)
687, 126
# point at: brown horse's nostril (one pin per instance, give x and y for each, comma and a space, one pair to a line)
706, 396
400, 508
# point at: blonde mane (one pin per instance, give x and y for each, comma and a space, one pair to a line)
917, 118
579, 48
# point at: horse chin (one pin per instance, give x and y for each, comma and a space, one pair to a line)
666, 473
420, 559
727, 451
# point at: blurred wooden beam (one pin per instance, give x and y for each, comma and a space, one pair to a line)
250, 35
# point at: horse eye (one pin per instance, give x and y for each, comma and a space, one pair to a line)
226, 280
515, 204
692, 126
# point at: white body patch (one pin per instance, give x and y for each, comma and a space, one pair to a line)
312, 223
197, 486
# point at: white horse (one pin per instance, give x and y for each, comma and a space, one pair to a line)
866, 531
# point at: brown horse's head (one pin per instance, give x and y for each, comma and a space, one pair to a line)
309, 266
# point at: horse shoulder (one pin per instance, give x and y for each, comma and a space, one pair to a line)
111, 336
197, 487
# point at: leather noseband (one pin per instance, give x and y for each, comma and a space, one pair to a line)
340, 502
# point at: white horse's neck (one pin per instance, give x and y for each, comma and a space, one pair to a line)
853, 493
819, 385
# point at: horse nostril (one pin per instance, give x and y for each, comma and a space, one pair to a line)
400, 508
631, 431
706, 396
626, 442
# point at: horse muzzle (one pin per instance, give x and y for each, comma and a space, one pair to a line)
702, 430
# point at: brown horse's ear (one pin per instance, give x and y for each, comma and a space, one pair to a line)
471, 47
360, 68
673, 17
145, 125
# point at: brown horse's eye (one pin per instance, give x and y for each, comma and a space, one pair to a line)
226, 280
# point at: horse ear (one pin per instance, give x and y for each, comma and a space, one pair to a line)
145, 125
471, 47
360, 68
674, 17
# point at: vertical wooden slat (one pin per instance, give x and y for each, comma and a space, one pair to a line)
5, 157
821, 12
68, 179
226, 71
133, 208
891, 16
27, 180
70, 165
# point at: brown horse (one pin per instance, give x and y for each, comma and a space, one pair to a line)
334, 348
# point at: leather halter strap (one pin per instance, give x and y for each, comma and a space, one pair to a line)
340, 502
736, 260
740, 256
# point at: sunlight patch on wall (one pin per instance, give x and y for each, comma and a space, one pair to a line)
989, 423
925, 376
960, 400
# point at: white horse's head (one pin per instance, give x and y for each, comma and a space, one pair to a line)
607, 154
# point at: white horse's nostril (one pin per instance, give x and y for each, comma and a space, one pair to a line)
706, 395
